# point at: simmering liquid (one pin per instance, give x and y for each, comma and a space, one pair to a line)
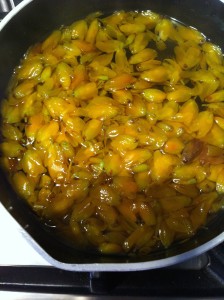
113, 131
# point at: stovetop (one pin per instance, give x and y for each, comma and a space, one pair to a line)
24, 273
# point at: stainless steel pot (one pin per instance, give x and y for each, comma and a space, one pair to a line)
31, 21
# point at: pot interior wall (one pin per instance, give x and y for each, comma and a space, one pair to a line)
36, 21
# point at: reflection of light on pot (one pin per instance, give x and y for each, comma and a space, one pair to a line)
6, 6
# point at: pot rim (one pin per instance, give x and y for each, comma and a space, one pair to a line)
130, 266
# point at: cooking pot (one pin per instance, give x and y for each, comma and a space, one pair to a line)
32, 21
